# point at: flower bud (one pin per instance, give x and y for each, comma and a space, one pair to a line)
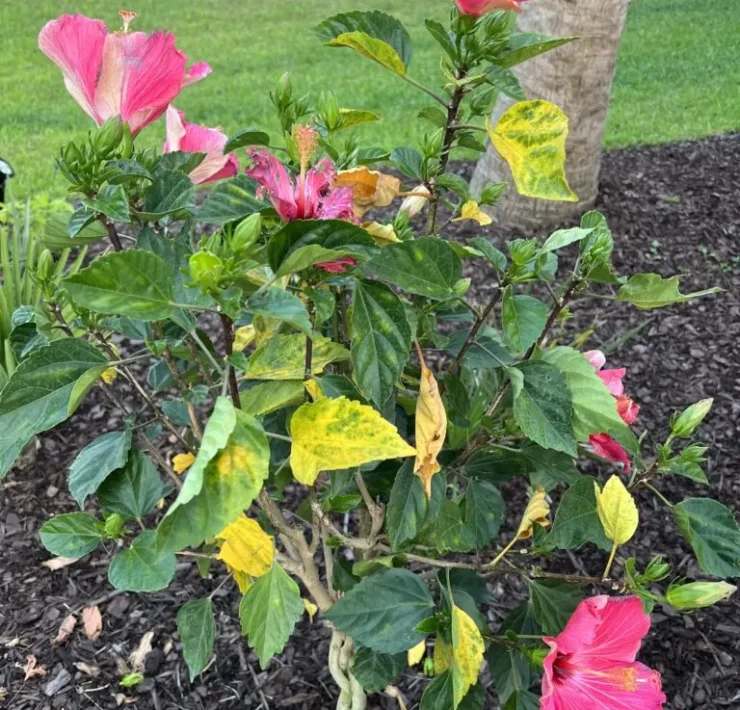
688, 421
657, 569
108, 136
247, 233
283, 91
416, 202
329, 110
696, 595
45, 265
206, 270
114, 526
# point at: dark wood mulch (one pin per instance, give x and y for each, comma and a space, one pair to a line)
673, 209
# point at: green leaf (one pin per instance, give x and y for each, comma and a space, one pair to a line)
577, 519
511, 671
122, 171
381, 338
495, 257
447, 531
283, 357
350, 117
378, 26
408, 161
111, 201
374, 670
231, 200
132, 283
57, 231
543, 405
269, 612
282, 305
230, 483
38, 394
271, 396
197, 629
443, 38
506, 82
382, 611
332, 234
439, 695
553, 603
132, 491
522, 700
711, 530
484, 511
71, 534
305, 257
524, 46
486, 351
96, 462
594, 407
143, 567
564, 237
427, 267
648, 291
407, 506
178, 161
548, 468
250, 136
171, 191
523, 318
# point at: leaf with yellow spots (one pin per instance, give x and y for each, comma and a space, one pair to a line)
182, 462
530, 137
471, 210
382, 233
370, 188
314, 390
245, 547
467, 654
442, 655
431, 427
617, 511
283, 357
244, 337
311, 609
537, 511
334, 434
416, 653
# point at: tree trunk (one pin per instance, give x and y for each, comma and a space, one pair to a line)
578, 78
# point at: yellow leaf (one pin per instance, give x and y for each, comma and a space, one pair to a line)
182, 462
537, 511
372, 48
311, 609
264, 328
109, 375
283, 357
382, 233
467, 654
333, 434
442, 655
314, 390
416, 653
370, 188
245, 547
244, 337
431, 427
530, 137
471, 210
243, 580
617, 511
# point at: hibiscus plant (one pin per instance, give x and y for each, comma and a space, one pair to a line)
327, 410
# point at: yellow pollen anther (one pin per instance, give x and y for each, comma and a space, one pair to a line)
625, 678
128, 17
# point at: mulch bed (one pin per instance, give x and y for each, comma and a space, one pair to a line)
673, 209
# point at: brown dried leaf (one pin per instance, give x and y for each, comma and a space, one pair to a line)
56, 563
370, 188
92, 671
65, 630
93, 622
31, 669
138, 657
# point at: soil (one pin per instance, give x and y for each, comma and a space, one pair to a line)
673, 209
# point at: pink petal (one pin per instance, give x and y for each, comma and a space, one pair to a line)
199, 70
75, 44
627, 409
613, 380
338, 266
596, 358
313, 188
154, 71
338, 205
175, 121
609, 449
230, 169
476, 8
269, 172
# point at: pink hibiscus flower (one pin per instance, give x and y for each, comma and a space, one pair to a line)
603, 444
312, 195
192, 138
477, 8
592, 661
128, 74
338, 266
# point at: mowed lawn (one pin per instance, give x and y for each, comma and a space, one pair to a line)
677, 78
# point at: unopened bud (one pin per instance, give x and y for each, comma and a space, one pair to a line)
417, 201
206, 270
247, 233
329, 110
688, 421
114, 526
696, 595
108, 136
45, 265
657, 569
283, 91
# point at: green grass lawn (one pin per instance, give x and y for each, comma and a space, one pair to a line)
677, 75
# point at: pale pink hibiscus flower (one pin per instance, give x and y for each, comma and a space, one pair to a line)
192, 138
128, 74
477, 8
592, 663
603, 444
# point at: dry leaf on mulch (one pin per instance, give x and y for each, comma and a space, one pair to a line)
65, 630
93, 622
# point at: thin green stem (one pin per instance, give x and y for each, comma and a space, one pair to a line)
423, 88
610, 562
652, 488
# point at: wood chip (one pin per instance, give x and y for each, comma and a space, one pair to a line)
65, 630
56, 563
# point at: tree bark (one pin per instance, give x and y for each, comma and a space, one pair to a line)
578, 78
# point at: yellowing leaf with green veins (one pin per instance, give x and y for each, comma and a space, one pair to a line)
245, 547
471, 210
382, 233
333, 434
431, 427
617, 511
314, 390
283, 357
415, 654
530, 137
537, 511
467, 654
442, 655
243, 581
372, 48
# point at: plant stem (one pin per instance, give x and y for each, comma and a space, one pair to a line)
502, 554
423, 88
112, 233
610, 562
230, 374
652, 488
